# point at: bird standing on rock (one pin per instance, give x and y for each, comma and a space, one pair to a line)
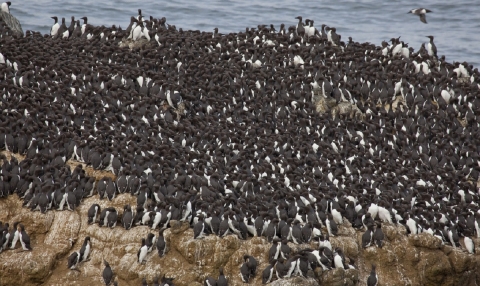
55, 27
24, 238
161, 244
6, 7
431, 48
107, 273
13, 236
222, 280
267, 274
84, 25
73, 261
127, 218
142, 252
248, 268
372, 280
300, 27
378, 235
63, 30
85, 249
93, 212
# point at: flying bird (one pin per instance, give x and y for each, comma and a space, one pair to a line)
421, 13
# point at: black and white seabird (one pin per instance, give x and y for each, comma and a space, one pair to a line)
367, 220
431, 48
84, 25
24, 238
274, 251
13, 236
267, 273
372, 279
324, 240
85, 249
421, 13
331, 225
142, 252
55, 27
62, 32
73, 261
290, 266
199, 228
6, 7
378, 235
469, 245
222, 280
245, 273
453, 236
325, 258
150, 241
300, 27
107, 273
93, 212
161, 244
367, 237
332, 36
339, 259
127, 218
71, 28
248, 268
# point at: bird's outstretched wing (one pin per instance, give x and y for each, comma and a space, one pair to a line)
423, 18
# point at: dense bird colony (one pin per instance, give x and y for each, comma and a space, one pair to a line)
221, 131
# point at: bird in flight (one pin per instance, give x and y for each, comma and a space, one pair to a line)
421, 13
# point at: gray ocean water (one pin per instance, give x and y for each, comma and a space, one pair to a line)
455, 26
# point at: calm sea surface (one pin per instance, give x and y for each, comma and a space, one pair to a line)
455, 26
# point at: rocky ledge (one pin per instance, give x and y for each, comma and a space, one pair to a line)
403, 260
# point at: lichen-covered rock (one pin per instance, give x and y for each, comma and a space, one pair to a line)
435, 269
394, 232
296, 281
339, 276
425, 240
177, 227
131, 44
324, 104
460, 260
348, 244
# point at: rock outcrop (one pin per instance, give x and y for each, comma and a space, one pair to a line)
12, 23
404, 260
